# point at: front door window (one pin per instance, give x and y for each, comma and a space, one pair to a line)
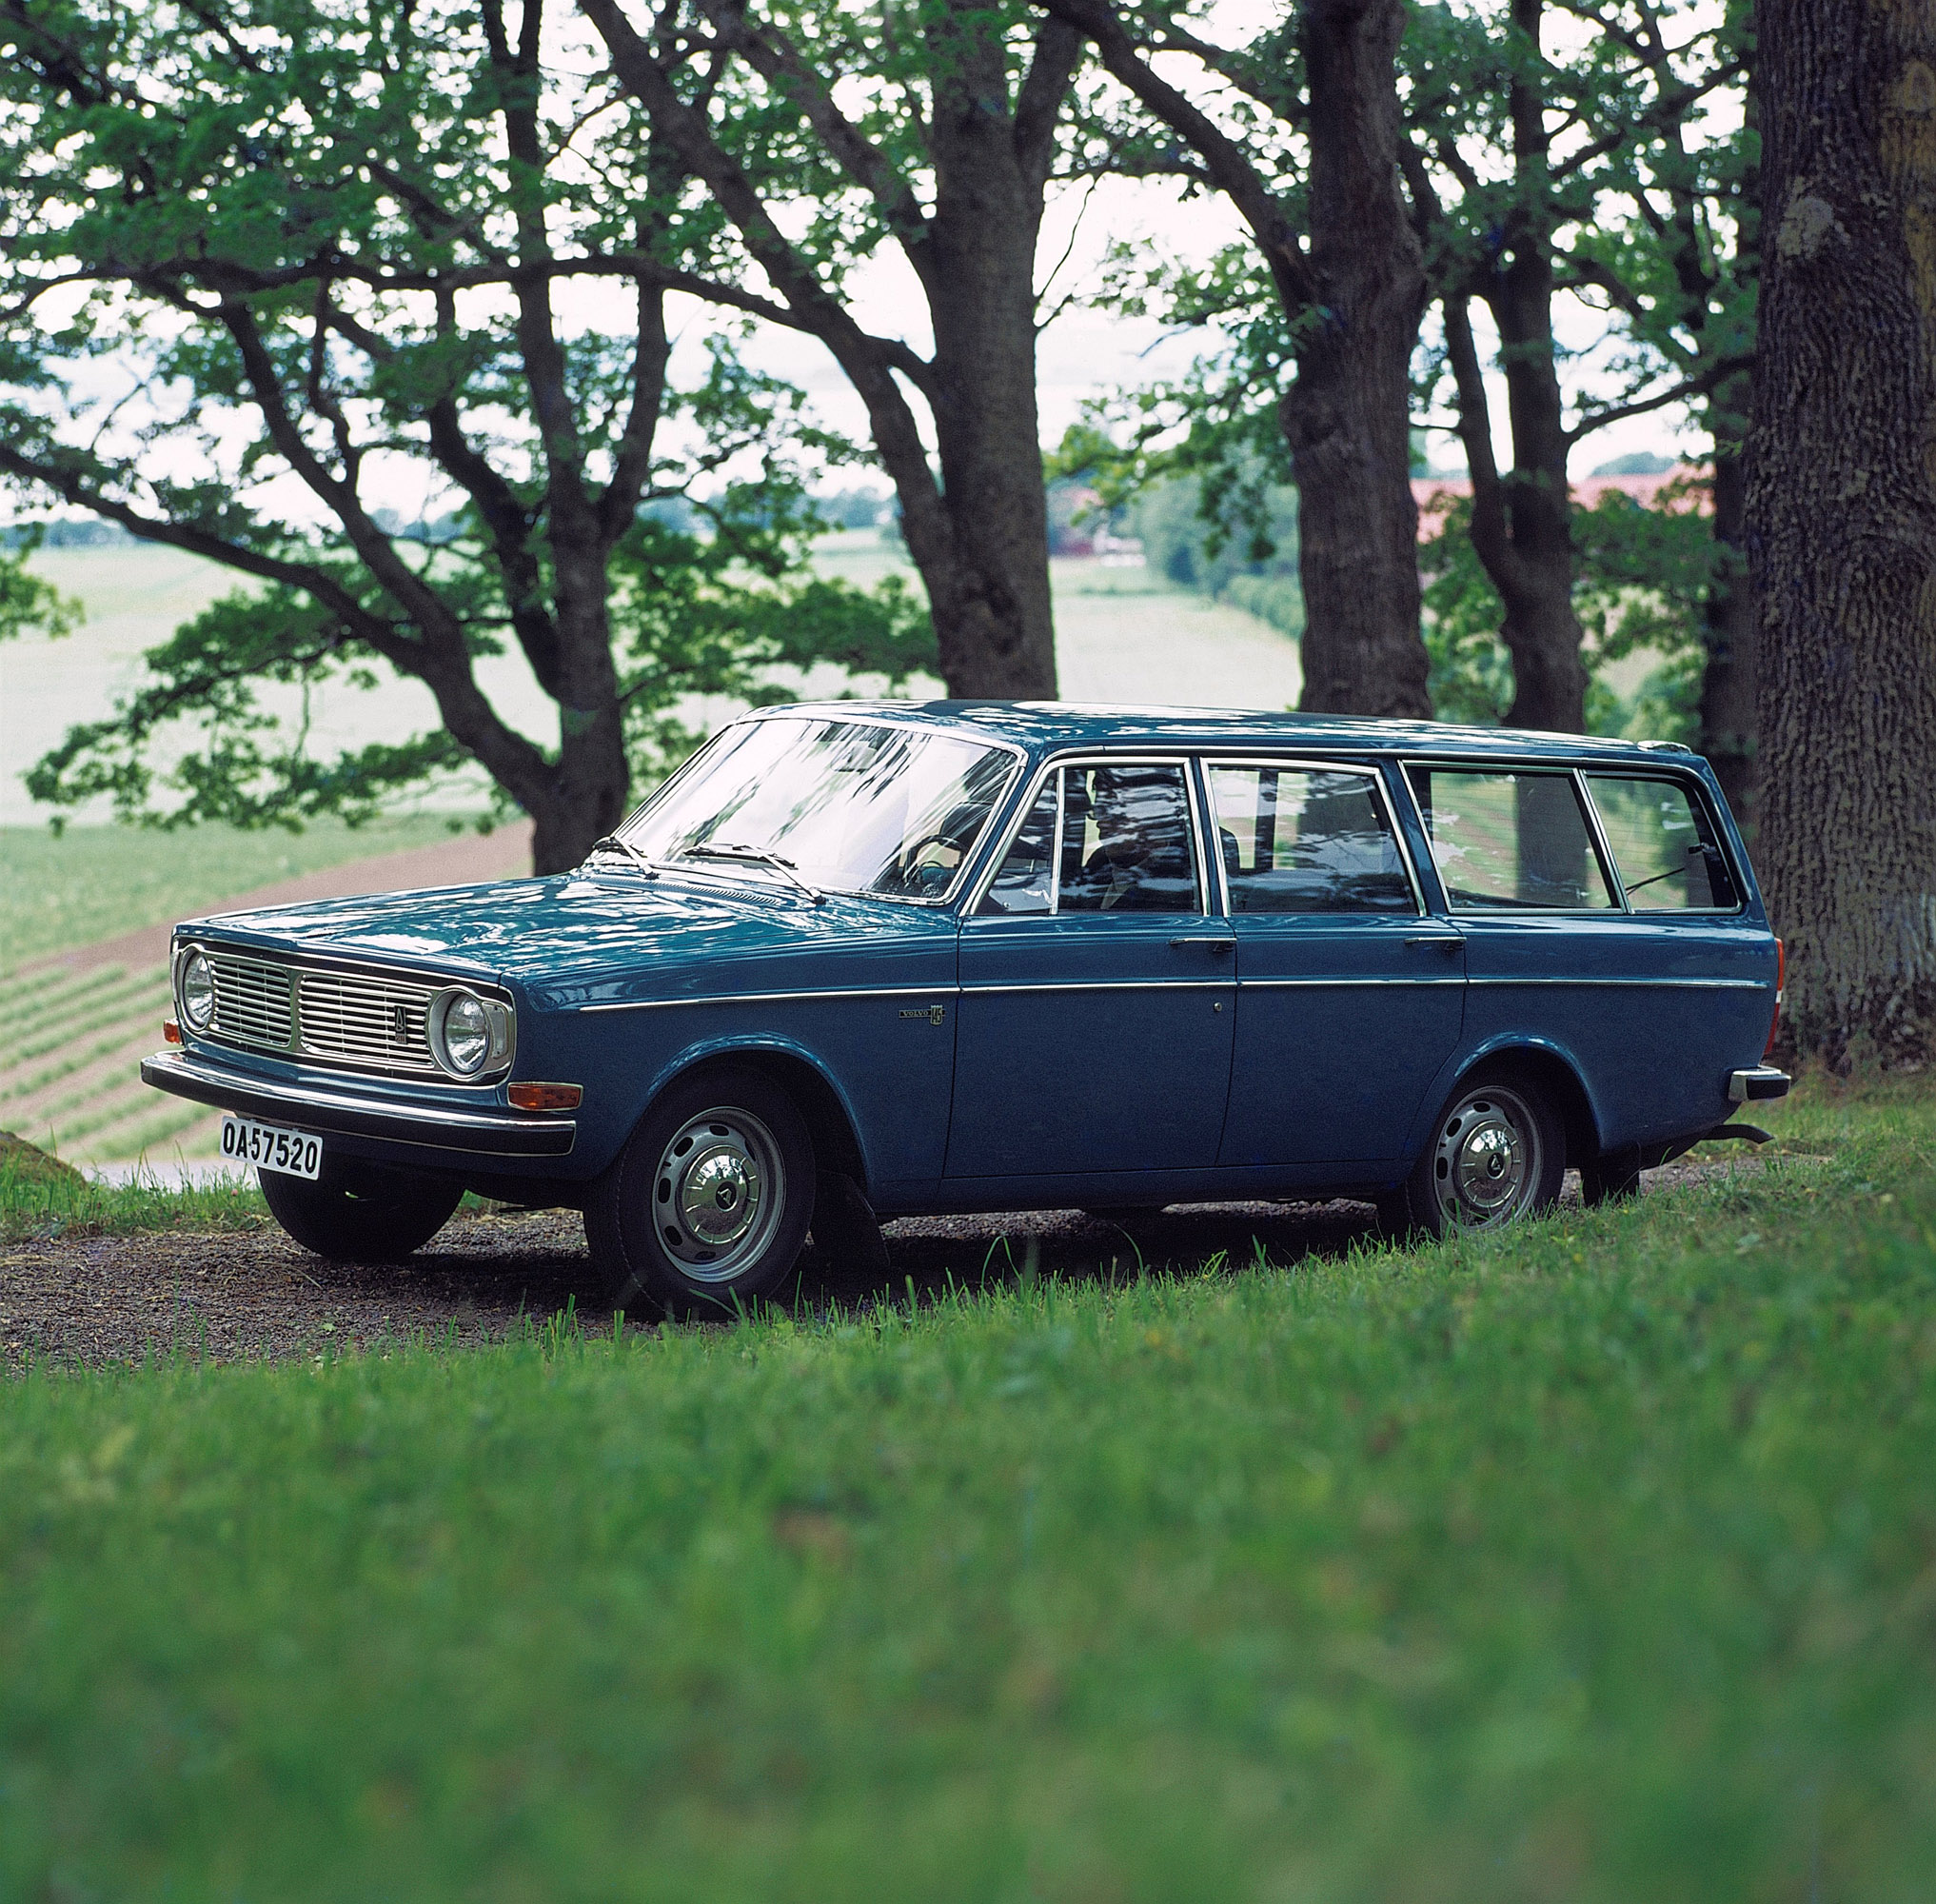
1110, 838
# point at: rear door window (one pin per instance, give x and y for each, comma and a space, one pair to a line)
1664, 846
1510, 841
1307, 839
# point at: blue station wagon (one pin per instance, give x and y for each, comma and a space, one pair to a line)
856, 961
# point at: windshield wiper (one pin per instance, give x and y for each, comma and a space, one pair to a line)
756, 856
612, 844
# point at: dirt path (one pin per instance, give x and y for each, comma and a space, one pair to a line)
257, 1296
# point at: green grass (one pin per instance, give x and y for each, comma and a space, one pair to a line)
39, 1206
1596, 1562
93, 883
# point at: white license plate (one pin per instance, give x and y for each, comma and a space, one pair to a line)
295, 1153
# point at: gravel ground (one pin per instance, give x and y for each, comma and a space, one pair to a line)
259, 1295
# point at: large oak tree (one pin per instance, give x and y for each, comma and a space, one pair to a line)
1842, 514
265, 266
827, 134
1311, 164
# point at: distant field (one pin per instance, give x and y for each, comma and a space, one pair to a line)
67, 1076
1122, 636
98, 881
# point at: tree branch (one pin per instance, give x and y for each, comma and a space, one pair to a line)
1228, 165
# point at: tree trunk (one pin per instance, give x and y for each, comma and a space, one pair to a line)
1727, 680
991, 606
1842, 514
1347, 416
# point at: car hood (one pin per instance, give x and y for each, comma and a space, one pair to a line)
596, 933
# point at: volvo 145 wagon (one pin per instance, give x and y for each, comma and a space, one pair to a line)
856, 961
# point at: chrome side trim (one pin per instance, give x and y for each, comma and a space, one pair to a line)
778, 997
1109, 985
1335, 985
1663, 984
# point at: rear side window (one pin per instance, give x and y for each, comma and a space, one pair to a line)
1663, 844
1509, 842
1300, 839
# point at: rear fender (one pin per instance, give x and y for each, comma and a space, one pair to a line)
1545, 1059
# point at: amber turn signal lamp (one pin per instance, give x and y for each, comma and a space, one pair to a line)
1775, 1024
546, 1097
172, 1032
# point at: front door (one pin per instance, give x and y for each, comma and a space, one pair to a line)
1350, 997
1098, 995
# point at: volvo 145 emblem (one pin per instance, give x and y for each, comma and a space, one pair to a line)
934, 1014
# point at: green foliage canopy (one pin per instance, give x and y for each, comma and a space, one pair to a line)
266, 267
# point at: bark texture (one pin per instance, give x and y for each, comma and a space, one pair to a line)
1729, 724
1842, 513
992, 620
1348, 415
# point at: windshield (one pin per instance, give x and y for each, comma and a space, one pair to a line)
845, 805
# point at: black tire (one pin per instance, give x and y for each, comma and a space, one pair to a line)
705, 1210
358, 1212
846, 1231
1496, 1153
1609, 1180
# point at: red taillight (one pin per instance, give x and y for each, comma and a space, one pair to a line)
172, 1032
1774, 1024
546, 1097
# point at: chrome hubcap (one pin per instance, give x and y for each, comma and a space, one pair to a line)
716, 1195
1487, 1162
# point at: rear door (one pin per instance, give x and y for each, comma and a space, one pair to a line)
1652, 988
1098, 991
1350, 996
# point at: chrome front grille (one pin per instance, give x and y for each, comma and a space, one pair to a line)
365, 1018
254, 1003
365, 1021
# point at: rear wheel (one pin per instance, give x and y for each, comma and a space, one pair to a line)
359, 1212
707, 1205
1497, 1154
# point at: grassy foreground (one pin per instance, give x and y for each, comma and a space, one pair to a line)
1597, 1563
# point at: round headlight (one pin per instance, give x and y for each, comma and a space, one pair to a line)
198, 991
464, 1034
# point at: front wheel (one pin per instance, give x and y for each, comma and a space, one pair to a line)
1497, 1154
359, 1212
707, 1206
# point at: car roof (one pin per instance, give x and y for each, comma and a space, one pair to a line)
1047, 726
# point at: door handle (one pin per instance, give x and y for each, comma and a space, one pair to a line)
1446, 941
1214, 943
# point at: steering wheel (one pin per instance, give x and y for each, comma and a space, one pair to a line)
908, 864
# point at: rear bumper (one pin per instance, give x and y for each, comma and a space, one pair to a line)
443, 1129
1764, 1081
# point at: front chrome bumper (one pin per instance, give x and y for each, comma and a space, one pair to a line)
1750, 1087
316, 1108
